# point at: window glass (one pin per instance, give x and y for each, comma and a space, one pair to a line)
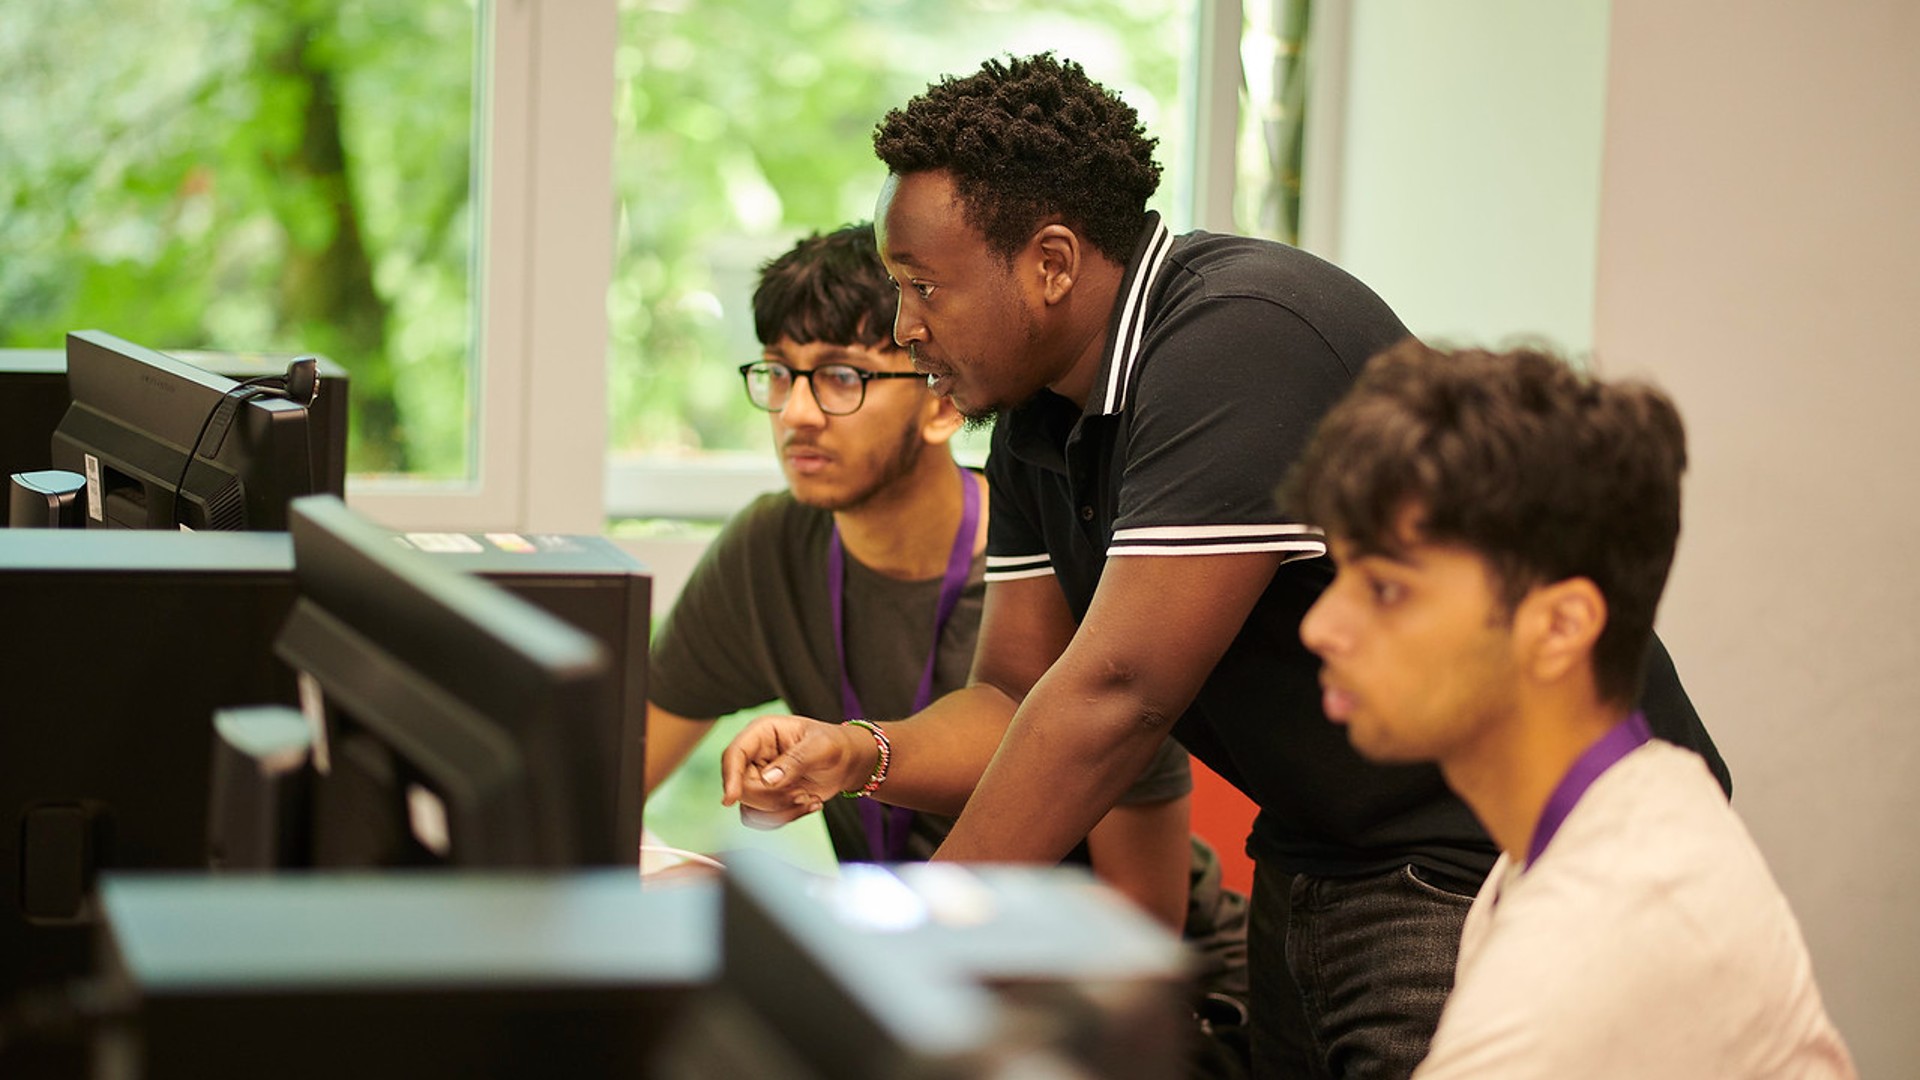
258, 178
744, 124
1274, 65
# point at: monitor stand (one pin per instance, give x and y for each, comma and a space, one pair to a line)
47, 499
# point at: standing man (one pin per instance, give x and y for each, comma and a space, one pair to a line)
1503, 529
1152, 391
856, 592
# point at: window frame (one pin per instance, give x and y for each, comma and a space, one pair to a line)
544, 192
544, 185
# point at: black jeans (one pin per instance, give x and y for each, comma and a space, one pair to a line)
1349, 974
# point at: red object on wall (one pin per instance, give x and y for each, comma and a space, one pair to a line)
1223, 817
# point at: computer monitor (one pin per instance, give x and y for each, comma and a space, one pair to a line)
118, 648
34, 396
136, 417
988, 971
455, 723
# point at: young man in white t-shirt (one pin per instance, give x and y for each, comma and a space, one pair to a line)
1503, 527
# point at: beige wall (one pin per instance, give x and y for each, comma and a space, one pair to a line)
1760, 256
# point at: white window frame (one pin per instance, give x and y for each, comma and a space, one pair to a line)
544, 263
545, 188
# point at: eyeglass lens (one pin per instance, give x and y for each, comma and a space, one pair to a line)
837, 388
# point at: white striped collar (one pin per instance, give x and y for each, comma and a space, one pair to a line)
1129, 327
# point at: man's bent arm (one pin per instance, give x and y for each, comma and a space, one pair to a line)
939, 753
1157, 627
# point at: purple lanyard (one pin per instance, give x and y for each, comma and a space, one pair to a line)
1623, 739
888, 826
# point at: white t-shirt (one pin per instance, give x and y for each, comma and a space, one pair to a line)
1648, 940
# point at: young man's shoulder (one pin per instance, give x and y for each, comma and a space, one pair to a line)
1650, 931
1652, 848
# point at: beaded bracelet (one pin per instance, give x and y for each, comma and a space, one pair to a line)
879, 767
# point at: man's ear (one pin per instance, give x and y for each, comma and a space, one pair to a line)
1560, 624
1059, 253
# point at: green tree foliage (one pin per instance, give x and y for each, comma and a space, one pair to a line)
253, 177
746, 123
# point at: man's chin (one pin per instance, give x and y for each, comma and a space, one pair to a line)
1376, 747
835, 499
978, 420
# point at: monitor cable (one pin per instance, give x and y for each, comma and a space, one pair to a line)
300, 385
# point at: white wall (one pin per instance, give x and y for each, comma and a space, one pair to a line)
1760, 256
1470, 163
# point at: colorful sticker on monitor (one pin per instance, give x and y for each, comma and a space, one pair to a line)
458, 543
513, 542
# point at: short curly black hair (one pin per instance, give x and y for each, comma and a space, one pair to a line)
1027, 142
829, 287
1545, 472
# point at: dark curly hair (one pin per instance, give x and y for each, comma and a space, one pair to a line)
1027, 142
829, 287
1544, 472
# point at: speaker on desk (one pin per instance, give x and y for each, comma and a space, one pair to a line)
46, 499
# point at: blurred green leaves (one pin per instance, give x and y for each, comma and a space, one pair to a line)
744, 124
251, 177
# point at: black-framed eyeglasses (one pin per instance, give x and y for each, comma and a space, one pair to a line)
839, 389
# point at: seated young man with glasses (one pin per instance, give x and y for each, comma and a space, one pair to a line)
857, 592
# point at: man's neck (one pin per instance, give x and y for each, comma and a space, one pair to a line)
1507, 778
1087, 313
906, 532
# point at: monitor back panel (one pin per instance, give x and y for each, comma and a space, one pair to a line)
34, 396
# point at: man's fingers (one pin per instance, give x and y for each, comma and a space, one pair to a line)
773, 819
773, 773
733, 769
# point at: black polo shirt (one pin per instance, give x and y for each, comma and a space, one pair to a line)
1223, 354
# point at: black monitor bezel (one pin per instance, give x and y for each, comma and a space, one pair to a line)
500, 707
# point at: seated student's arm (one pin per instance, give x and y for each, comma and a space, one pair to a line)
782, 767
670, 738
1144, 851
